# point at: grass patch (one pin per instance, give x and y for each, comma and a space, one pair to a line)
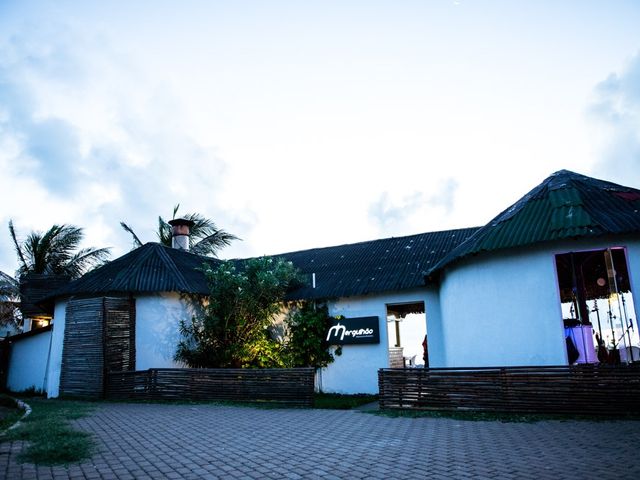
9, 412
52, 440
505, 417
336, 401
264, 404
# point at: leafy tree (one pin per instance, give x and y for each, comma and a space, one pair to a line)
234, 329
56, 252
307, 329
205, 238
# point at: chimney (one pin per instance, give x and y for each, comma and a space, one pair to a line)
180, 233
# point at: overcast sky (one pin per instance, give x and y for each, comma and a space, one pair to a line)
305, 124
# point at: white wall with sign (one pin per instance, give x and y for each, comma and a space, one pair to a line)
356, 370
504, 308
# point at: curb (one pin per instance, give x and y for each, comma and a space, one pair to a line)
27, 411
368, 407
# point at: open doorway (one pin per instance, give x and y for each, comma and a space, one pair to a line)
597, 307
407, 335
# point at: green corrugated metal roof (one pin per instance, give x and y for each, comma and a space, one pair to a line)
565, 205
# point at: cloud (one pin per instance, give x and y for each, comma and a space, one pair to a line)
410, 212
88, 138
47, 145
53, 143
615, 112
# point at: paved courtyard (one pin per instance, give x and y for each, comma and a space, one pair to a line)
149, 441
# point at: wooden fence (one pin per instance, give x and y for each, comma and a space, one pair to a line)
290, 386
583, 389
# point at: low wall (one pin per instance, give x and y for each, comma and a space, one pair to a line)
290, 386
580, 389
28, 360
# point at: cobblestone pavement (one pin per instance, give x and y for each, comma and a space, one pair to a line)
151, 441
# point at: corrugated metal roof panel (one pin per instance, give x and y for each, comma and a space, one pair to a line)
375, 266
150, 268
565, 205
345, 270
560, 197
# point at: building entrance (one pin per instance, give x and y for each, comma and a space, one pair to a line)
407, 334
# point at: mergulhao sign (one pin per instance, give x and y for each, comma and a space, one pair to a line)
354, 331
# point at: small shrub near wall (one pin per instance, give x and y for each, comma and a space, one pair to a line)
307, 328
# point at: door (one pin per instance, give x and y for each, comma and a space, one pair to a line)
99, 336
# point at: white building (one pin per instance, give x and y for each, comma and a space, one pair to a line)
549, 281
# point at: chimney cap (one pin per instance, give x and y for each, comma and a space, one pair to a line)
176, 222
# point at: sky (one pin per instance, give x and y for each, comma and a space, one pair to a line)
296, 125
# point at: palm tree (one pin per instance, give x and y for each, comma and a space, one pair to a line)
205, 238
55, 252
9, 301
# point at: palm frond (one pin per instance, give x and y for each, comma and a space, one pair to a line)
164, 232
212, 243
136, 241
205, 238
52, 252
35, 252
86, 259
8, 285
16, 245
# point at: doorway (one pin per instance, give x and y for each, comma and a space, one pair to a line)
407, 335
598, 310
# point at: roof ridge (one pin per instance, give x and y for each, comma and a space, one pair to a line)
178, 251
171, 265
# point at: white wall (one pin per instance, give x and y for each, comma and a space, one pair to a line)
28, 362
503, 308
356, 370
435, 328
55, 357
158, 329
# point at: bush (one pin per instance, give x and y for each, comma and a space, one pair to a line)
307, 347
234, 329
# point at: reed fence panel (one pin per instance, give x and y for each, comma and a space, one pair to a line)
290, 386
83, 353
582, 389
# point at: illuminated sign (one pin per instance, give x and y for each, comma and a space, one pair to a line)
354, 331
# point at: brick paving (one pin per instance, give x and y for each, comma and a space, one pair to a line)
149, 441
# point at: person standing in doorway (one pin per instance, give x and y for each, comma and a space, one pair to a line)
425, 352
